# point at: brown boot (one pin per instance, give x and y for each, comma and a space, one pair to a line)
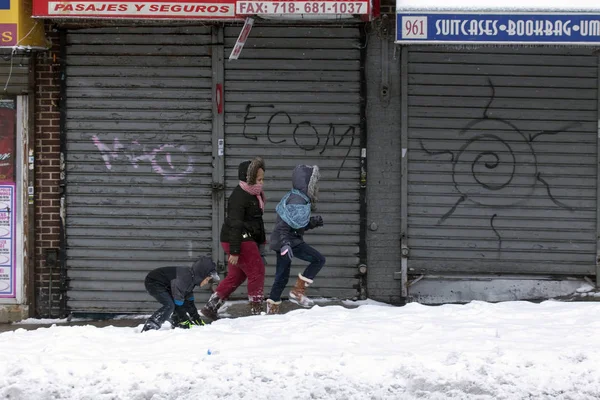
273, 307
255, 307
297, 295
212, 307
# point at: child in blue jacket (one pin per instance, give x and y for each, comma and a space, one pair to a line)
287, 239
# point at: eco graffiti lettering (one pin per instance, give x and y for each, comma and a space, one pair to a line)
506, 167
172, 161
304, 128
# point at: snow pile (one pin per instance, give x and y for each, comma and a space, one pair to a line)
49, 321
585, 288
512, 350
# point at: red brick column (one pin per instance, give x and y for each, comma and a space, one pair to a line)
47, 176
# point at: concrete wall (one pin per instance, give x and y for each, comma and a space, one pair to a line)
383, 161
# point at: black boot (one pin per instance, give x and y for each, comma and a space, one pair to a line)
150, 325
174, 320
212, 307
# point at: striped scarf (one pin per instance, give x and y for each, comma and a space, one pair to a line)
255, 190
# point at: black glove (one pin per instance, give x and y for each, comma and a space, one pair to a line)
190, 308
316, 221
180, 311
192, 311
263, 253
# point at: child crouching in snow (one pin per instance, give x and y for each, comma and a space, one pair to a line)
173, 287
287, 239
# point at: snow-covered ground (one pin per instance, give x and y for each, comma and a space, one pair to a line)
513, 350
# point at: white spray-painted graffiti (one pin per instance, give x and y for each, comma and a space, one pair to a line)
162, 159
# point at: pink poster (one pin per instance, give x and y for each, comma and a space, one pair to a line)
7, 144
7, 242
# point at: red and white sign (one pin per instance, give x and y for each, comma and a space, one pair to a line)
241, 40
146, 10
190, 9
301, 7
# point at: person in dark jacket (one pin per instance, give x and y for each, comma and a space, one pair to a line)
243, 239
173, 287
287, 239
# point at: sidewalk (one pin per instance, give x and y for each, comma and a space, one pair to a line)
234, 309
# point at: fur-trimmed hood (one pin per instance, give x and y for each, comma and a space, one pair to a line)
248, 170
306, 179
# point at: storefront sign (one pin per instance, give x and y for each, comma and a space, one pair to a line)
101, 9
8, 34
302, 7
17, 27
520, 28
7, 242
190, 9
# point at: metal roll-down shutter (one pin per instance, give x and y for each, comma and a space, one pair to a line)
14, 72
138, 160
502, 167
294, 97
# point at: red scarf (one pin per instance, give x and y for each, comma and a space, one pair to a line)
255, 190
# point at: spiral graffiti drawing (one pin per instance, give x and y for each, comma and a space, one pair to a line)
496, 170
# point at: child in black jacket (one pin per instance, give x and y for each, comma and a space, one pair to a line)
243, 239
173, 287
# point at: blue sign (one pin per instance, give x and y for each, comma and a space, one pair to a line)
436, 27
4, 4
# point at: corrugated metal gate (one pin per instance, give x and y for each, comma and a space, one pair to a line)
14, 72
502, 159
294, 97
139, 160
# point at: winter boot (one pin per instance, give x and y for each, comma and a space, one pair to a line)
174, 320
150, 325
273, 307
212, 307
255, 307
297, 295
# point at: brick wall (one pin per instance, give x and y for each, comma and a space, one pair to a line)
47, 175
388, 7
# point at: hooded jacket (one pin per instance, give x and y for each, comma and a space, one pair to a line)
244, 219
305, 178
181, 281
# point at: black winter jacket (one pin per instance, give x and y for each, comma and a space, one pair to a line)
180, 282
244, 218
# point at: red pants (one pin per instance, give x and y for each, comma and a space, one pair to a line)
250, 265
